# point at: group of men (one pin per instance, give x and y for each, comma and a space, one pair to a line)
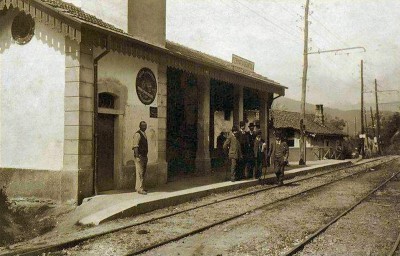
248, 153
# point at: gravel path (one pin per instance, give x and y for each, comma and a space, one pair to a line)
138, 237
370, 229
78, 232
276, 230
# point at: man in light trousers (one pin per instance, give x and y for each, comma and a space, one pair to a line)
140, 150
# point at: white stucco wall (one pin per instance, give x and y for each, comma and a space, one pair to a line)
221, 125
125, 69
32, 84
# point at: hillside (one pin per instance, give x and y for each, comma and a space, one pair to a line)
352, 117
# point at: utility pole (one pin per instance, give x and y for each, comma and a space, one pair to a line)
372, 122
355, 126
378, 125
366, 122
302, 160
362, 109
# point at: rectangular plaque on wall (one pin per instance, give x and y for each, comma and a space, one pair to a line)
153, 112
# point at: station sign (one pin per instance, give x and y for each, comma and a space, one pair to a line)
242, 63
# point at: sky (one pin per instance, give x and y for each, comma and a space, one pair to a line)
270, 33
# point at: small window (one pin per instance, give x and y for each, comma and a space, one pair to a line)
290, 142
106, 100
227, 115
22, 28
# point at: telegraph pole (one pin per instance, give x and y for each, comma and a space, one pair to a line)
366, 122
372, 122
362, 108
355, 126
378, 125
302, 160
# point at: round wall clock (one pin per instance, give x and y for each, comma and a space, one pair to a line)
146, 86
22, 28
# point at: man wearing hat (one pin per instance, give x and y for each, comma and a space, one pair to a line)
279, 153
260, 148
233, 146
245, 147
251, 135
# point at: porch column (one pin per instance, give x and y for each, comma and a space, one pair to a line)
77, 175
203, 160
237, 104
264, 115
162, 124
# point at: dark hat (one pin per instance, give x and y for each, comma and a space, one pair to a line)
278, 133
251, 125
242, 123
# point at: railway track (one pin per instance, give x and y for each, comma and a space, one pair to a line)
61, 246
320, 231
395, 247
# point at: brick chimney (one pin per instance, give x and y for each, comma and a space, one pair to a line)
144, 19
319, 114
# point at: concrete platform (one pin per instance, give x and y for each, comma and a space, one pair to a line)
118, 204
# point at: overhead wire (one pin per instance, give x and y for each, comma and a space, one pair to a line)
289, 35
337, 37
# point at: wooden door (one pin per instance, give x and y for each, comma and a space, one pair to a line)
105, 152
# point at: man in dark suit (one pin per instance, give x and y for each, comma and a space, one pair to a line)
245, 147
279, 153
232, 144
251, 137
260, 149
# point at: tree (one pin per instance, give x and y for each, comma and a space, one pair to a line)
337, 123
390, 125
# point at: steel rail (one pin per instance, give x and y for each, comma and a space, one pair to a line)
71, 243
151, 247
395, 247
308, 240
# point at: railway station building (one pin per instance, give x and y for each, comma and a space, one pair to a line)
78, 76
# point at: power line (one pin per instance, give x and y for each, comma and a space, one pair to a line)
285, 9
329, 31
290, 35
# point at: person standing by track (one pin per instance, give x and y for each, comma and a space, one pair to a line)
140, 150
251, 136
260, 149
279, 154
232, 145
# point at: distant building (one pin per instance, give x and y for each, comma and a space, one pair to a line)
322, 140
76, 80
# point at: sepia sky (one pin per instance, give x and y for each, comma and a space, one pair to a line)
269, 32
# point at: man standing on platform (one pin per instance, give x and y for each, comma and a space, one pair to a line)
245, 147
260, 149
250, 159
279, 153
232, 144
140, 150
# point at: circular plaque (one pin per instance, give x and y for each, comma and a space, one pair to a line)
146, 86
22, 28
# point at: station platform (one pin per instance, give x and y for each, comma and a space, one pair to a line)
119, 204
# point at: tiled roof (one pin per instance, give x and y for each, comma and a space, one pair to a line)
285, 119
74, 12
206, 58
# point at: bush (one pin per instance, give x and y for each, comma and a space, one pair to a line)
6, 236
